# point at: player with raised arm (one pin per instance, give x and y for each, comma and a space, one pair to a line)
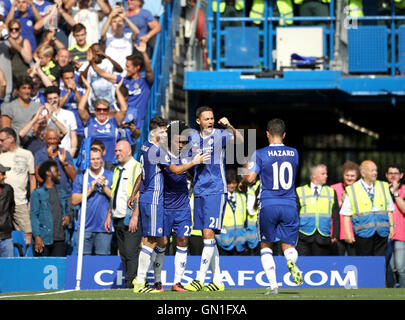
210, 192
278, 216
153, 160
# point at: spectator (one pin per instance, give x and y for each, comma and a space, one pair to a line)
48, 66
96, 239
20, 50
370, 208
50, 213
101, 88
71, 94
63, 58
21, 177
56, 17
252, 207
7, 207
27, 13
102, 127
318, 208
16, 113
3, 87
66, 117
117, 43
350, 174
78, 51
90, 18
60, 156
396, 266
33, 140
147, 24
138, 87
232, 239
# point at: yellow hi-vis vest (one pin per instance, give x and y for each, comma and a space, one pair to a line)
233, 233
252, 237
369, 217
285, 8
298, 2
400, 4
316, 213
354, 8
239, 5
193, 232
135, 171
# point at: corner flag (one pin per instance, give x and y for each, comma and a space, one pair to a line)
83, 161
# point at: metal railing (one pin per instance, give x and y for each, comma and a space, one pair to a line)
270, 22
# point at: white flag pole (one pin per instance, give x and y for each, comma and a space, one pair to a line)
82, 228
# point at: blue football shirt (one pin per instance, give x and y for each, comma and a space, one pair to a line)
210, 178
277, 166
175, 186
97, 202
153, 159
138, 97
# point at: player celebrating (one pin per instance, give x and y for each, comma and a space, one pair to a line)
177, 215
153, 159
210, 191
278, 217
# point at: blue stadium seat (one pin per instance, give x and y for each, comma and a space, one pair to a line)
367, 49
18, 242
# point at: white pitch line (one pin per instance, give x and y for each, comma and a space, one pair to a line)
36, 294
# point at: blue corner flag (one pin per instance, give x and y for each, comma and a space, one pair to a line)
83, 160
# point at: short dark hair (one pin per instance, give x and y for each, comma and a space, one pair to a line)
276, 127
44, 167
395, 166
98, 143
22, 80
231, 176
156, 122
52, 89
175, 127
78, 27
201, 110
10, 132
66, 69
136, 60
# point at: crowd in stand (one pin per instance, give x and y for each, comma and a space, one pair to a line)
74, 69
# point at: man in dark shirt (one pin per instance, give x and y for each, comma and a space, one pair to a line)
48, 226
6, 215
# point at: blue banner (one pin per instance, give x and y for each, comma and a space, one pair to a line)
241, 272
32, 274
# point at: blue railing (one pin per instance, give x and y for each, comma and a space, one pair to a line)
270, 23
162, 60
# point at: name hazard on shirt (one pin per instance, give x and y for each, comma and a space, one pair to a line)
281, 153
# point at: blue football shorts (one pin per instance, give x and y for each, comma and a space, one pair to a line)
151, 219
209, 211
179, 221
278, 222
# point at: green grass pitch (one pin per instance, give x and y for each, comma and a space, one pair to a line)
229, 294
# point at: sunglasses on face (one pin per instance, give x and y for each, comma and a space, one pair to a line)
14, 29
101, 109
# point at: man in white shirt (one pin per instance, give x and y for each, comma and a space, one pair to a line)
118, 44
21, 162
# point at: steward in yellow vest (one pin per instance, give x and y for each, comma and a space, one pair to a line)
318, 208
285, 9
228, 8
233, 233
370, 207
252, 238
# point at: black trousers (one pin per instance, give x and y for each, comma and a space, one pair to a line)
314, 245
128, 244
374, 246
57, 249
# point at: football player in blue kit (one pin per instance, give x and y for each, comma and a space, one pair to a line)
177, 211
278, 216
154, 159
210, 192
